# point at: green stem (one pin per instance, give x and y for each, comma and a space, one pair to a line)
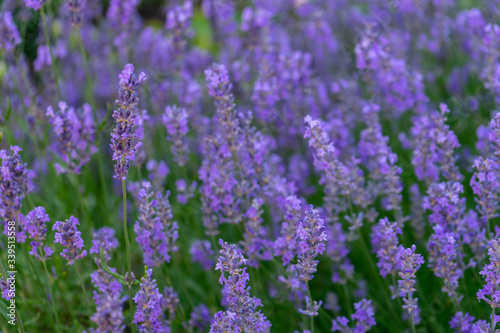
87, 74
81, 279
493, 324
47, 38
311, 305
50, 294
127, 244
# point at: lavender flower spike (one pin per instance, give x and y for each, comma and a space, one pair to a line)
36, 227
9, 34
241, 314
491, 274
68, 236
149, 316
364, 316
410, 262
122, 138
175, 120
312, 242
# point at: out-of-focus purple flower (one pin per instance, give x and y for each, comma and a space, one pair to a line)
434, 146
8, 286
202, 252
149, 316
446, 205
199, 318
35, 4
75, 132
312, 308
156, 232
486, 186
312, 242
491, 68
104, 238
388, 246
185, 193
409, 262
364, 317
123, 136
179, 18
175, 120
75, 7
158, 171
462, 322
286, 245
9, 34
36, 226
491, 274
241, 314
494, 136
15, 183
43, 58
254, 244
170, 300
69, 237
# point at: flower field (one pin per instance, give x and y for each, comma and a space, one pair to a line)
227, 166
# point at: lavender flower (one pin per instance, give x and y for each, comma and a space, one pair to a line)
286, 245
75, 132
122, 137
199, 318
8, 286
254, 243
9, 34
175, 120
35, 4
494, 136
312, 242
241, 314
387, 246
491, 274
435, 144
312, 308
409, 262
36, 227
364, 317
184, 193
486, 186
462, 322
149, 317
202, 252
15, 183
156, 233
75, 7
104, 238
69, 237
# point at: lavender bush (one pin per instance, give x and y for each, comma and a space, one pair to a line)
249, 166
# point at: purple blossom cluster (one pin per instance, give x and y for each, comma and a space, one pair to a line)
122, 138
9, 34
175, 120
363, 317
70, 238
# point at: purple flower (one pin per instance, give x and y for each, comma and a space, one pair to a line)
104, 238
149, 316
241, 314
36, 227
409, 262
185, 193
43, 58
312, 242
75, 132
254, 243
8, 286
35, 4
175, 120
200, 318
123, 136
156, 233
202, 252
69, 237
364, 317
312, 308
15, 183
462, 322
388, 246
286, 245
434, 147
9, 35
486, 186
75, 7
491, 274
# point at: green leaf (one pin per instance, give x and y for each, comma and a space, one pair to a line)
9, 111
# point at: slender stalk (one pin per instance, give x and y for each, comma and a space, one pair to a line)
127, 244
311, 304
493, 324
20, 326
81, 279
47, 38
50, 294
87, 74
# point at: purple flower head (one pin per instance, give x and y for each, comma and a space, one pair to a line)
8, 286
149, 316
388, 246
462, 322
170, 300
219, 87
69, 237
104, 238
35, 4
364, 317
15, 183
175, 120
156, 232
75, 8
241, 313
36, 226
312, 235
491, 274
494, 136
486, 186
9, 35
202, 252
43, 59
312, 308
75, 133
122, 138
255, 245
286, 245
179, 18
184, 193
200, 318
409, 262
